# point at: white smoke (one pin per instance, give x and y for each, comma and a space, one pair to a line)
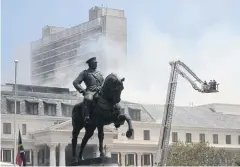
146, 66
147, 70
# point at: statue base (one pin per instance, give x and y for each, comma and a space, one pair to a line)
100, 161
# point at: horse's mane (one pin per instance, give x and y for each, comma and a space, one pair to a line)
112, 75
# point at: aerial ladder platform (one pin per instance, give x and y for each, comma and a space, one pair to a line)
177, 68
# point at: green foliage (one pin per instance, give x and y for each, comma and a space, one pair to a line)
200, 154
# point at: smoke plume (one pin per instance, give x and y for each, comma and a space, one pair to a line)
215, 55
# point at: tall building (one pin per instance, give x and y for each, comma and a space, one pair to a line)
44, 118
61, 53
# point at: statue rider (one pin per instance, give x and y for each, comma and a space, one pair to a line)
93, 80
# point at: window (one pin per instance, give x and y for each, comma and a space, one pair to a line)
134, 114
50, 109
24, 129
7, 155
228, 139
215, 138
28, 156
11, 106
67, 110
188, 137
146, 159
174, 136
132, 137
146, 134
202, 137
114, 157
32, 108
6, 128
130, 159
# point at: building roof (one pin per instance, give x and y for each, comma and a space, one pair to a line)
196, 117
233, 109
207, 116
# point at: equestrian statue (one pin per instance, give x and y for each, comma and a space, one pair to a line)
100, 107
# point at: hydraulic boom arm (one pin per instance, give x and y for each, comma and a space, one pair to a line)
162, 152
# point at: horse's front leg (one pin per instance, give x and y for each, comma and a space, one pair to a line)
88, 134
121, 119
100, 138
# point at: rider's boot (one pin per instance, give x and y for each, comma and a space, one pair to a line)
86, 113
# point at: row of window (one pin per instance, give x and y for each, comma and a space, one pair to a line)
55, 58
55, 52
131, 159
32, 108
68, 71
146, 135
228, 139
49, 76
50, 109
71, 58
37, 53
7, 128
66, 33
64, 51
7, 156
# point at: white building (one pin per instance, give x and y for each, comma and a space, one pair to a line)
65, 50
43, 116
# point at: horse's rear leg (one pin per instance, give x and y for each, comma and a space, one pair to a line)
75, 133
88, 134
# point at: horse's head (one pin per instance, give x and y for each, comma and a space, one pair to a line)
112, 88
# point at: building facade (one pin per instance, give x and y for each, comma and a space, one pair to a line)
61, 52
44, 119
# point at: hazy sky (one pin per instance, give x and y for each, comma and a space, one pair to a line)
204, 34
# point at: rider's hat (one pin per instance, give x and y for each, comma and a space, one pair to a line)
93, 59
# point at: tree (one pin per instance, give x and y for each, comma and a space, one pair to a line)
200, 154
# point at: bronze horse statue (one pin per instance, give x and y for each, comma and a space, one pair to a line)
104, 111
